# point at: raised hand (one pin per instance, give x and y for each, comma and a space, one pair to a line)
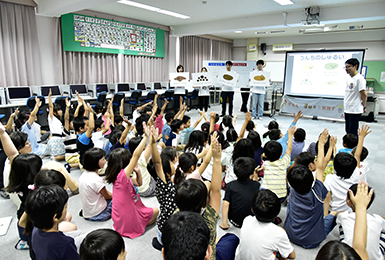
291, 130
362, 197
364, 131
323, 138
216, 148
38, 101
16, 112
333, 141
68, 102
298, 115
50, 92
155, 134
146, 129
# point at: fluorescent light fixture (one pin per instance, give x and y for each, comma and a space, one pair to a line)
238, 31
139, 5
284, 2
153, 8
182, 16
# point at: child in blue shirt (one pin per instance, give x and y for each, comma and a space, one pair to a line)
305, 223
84, 128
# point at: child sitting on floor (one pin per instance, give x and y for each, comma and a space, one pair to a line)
259, 236
103, 244
95, 198
349, 141
239, 193
47, 207
305, 223
376, 227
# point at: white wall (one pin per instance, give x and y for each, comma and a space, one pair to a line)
46, 29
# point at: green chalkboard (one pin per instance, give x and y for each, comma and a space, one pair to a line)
91, 34
374, 71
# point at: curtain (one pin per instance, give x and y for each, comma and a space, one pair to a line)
83, 67
221, 50
19, 46
146, 69
193, 51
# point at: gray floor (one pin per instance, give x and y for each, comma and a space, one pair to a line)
140, 248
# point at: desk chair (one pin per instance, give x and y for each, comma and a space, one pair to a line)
2, 116
169, 95
116, 100
62, 102
101, 98
190, 98
31, 102
150, 97
135, 97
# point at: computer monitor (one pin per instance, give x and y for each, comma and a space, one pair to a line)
157, 85
18, 93
141, 86
101, 87
55, 90
123, 87
81, 89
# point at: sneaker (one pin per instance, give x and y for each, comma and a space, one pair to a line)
260, 118
81, 213
221, 115
68, 167
4, 194
22, 245
254, 118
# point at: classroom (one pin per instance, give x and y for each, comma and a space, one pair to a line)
70, 47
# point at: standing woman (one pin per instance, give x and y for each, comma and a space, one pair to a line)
179, 91
204, 95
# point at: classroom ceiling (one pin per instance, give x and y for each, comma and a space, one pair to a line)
223, 17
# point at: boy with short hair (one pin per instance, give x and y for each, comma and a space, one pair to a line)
275, 168
167, 128
186, 236
305, 223
260, 238
347, 173
239, 193
298, 143
376, 227
84, 127
349, 141
176, 127
187, 128
46, 207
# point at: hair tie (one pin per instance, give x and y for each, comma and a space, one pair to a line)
31, 187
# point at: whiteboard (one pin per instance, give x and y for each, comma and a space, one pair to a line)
276, 69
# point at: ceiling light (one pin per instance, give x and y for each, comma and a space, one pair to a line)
139, 5
153, 8
261, 32
238, 31
182, 16
284, 2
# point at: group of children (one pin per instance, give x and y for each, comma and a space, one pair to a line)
185, 168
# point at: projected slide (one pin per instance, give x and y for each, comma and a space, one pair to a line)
318, 73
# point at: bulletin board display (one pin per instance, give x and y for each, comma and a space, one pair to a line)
91, 34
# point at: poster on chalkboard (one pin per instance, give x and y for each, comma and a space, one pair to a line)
92, 34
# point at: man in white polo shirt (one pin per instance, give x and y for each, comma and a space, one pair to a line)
227, 92
355, 96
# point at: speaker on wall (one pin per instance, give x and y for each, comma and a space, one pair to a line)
263, 46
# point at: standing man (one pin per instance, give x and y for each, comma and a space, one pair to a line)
355, 96
258, 97
227, 92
